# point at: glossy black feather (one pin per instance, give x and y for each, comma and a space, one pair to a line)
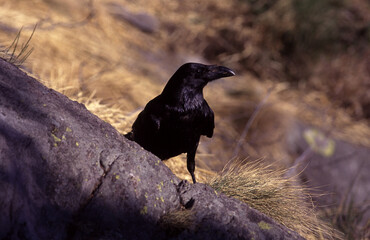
173, 122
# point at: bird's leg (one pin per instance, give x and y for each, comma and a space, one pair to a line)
191, 162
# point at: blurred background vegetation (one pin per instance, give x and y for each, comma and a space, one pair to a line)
301, 100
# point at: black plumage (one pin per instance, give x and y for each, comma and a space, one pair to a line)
173, 122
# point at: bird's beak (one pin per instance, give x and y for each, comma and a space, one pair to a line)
225, 72
216, 72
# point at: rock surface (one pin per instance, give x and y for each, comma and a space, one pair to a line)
66, 174
342, 175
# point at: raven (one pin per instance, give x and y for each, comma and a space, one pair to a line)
173, 122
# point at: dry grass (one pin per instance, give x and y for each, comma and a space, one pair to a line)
113, 68
321, 45
269, 192
16, 54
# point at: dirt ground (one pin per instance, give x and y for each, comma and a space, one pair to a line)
301, 95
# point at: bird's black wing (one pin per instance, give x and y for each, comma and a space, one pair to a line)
207, 120
149, 120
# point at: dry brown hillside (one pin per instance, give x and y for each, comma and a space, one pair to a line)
301, 95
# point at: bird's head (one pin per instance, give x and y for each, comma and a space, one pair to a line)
205, 72
196, 76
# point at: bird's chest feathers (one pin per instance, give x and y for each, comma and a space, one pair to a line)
187, 114
190, 117
191, 101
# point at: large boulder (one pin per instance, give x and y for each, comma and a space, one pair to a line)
66, 174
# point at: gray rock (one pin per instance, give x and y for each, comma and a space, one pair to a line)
344, 173
66, 174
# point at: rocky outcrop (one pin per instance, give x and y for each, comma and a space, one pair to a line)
66, 174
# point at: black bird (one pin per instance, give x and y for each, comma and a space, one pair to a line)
173, 122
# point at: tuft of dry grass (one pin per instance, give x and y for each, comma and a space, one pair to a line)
270, 193
16, 54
